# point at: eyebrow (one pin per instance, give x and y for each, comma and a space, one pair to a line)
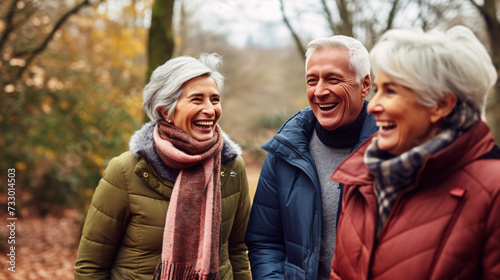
386, 84
201, 95
328, 74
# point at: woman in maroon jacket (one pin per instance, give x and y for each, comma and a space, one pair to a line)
422, 196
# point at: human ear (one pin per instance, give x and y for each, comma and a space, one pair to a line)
366, 83
164, 113
443, 107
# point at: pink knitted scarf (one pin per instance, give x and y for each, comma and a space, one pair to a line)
192, 228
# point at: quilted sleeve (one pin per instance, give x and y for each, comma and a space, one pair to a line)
491, 253
105, 223
264, 236
237, 248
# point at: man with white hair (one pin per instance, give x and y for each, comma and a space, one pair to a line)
292, 227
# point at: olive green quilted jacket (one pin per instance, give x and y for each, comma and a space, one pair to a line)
123, 232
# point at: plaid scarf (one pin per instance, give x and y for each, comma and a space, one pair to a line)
192, 228
393, 174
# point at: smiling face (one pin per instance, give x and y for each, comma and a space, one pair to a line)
198, 108
403, 121
333, 94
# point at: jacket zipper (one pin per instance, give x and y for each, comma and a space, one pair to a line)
298, 152
375, 238
310, 244
394, 210
401, 196
451, 223
314, 206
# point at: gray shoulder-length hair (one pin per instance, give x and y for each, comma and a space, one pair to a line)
165, 86
435, 63
358, 55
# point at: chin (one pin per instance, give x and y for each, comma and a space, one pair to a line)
386, 148
203, 137
329, 125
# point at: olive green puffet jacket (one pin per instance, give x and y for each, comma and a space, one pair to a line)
123, 232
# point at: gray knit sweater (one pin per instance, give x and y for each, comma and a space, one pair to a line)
327, 159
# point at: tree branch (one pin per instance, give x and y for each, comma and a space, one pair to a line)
329, 18
392, 14
8, 25
35, 52
475, 4
296, 38
488, 11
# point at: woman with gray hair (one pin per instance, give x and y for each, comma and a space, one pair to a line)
182, 162
424, 201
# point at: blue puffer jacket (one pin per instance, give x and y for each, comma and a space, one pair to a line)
284, 231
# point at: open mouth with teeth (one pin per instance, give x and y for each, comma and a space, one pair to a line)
204, 124
386, 125
326, 107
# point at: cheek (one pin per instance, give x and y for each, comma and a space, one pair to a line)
344, 92
183, 113
181, 107
405, 133
310, 92
344, 88
412, 131
218, 111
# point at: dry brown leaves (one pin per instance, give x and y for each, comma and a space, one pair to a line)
45, 247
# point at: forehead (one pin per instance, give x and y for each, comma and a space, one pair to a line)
202, 84
383, 79
329, 58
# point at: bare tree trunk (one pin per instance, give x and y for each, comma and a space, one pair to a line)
489, 11
346, 26
161, 35
182, 35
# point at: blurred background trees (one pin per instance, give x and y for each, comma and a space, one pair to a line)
161, 34
72, 72
67, 109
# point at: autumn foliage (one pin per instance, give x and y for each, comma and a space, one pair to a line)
76, 104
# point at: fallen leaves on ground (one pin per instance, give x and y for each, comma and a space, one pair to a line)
45, 247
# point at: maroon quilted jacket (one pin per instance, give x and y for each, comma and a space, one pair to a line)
446, 226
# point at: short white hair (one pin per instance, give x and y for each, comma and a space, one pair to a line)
435, 63
358, 55
165, 86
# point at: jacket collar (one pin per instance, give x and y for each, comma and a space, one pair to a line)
469, 147
297, 131
472, 145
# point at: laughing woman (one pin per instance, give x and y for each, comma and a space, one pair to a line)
181, 162
424, 200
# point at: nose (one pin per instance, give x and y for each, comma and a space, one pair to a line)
208, 109
374, 106
321, 89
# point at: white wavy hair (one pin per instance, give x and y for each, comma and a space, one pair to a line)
165, 86
435, 63
358, 55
